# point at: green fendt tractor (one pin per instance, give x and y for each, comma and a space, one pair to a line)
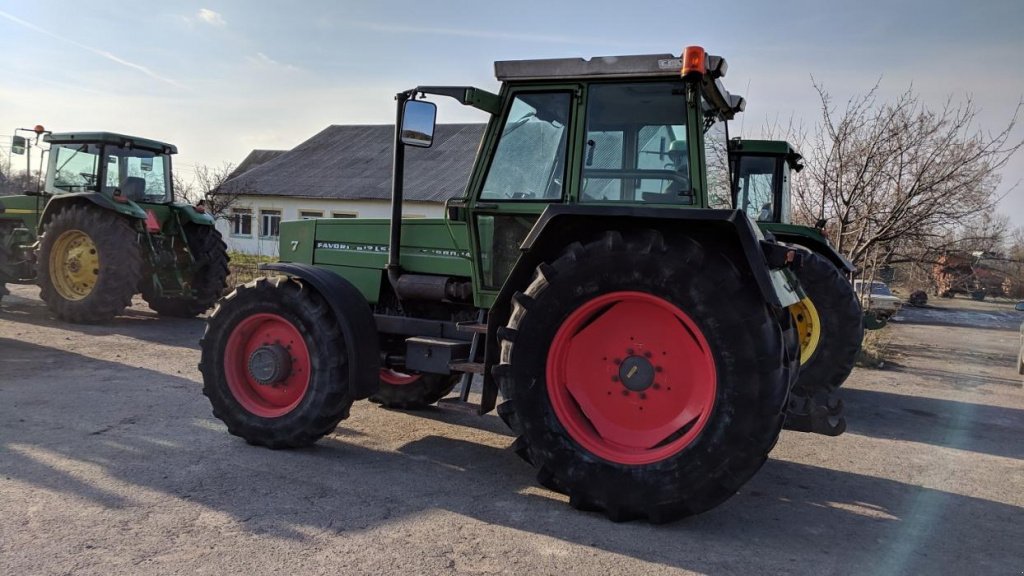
640, 338
105, 227
829, 318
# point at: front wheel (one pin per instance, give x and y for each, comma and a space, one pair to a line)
830, 324
274, 364
645, 379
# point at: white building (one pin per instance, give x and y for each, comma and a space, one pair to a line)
343, 172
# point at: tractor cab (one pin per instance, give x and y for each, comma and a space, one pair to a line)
761, 178
124, 168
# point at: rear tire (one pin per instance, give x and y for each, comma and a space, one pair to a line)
308, 394
841, 326
89, 264
208, 279
729, 330
412, 391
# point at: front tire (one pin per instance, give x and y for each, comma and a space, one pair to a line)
89, 264
274, 364
208, 279
831, 326
643, 380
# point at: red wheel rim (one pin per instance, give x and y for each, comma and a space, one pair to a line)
396, 378
260, 331
631, 378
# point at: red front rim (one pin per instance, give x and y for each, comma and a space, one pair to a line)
267, 400
631, 378
396, 378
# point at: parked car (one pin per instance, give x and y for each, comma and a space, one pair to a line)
1020, 355
877, 296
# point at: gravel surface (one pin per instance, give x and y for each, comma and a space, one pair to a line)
110, 463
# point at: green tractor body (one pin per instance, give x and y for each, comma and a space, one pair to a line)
105, 226
595, 274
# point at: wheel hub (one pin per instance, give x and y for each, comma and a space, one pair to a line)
269, 365
636, 373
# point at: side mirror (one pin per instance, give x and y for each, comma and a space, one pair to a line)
1019, 307
18, 145
33, 193
418, 123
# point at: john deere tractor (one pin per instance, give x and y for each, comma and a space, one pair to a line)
640, 336
105, 227
829, 318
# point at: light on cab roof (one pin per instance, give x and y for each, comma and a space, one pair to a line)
693, 60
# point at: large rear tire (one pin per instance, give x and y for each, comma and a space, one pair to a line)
208, 278
644, 379
89, 264
412, 391
831, 339
274, 364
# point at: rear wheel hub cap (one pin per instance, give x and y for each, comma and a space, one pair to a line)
269, 365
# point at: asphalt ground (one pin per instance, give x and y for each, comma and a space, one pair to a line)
111, 463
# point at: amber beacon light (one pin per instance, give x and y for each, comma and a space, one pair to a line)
693, 60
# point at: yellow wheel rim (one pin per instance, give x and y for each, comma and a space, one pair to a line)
74, 265
808, 326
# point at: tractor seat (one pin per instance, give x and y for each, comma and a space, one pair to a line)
134, 188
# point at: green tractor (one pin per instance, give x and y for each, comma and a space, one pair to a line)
829, 318
640, 337
105, 226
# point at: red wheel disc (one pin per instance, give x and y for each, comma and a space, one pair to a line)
396, 378
268, 400
631, 377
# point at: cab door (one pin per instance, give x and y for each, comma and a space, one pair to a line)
528, 169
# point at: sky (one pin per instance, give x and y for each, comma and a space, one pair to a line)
220, 78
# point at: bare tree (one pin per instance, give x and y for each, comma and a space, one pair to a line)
207, 187
901, 182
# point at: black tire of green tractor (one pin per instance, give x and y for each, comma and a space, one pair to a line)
208, 281
842, 326
419, 394
754, 348
120, 264
327, 400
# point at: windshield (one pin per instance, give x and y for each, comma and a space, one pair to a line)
139, 175
755, 187
73, 168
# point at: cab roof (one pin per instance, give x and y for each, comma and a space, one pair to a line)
113, 138
597, 67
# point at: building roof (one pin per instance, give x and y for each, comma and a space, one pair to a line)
254, 159
354, 162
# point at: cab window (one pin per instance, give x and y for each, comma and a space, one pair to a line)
636, 147
529, 162
755, 187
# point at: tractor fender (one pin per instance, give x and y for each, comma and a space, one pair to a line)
561, 224
58, 202
821, 247
354, 316
191, 214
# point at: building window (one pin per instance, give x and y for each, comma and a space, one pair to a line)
344, 214
310, 214
241, 222
270, 223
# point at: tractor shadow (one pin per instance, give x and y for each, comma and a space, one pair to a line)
992, 430
136, 428
137, 322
